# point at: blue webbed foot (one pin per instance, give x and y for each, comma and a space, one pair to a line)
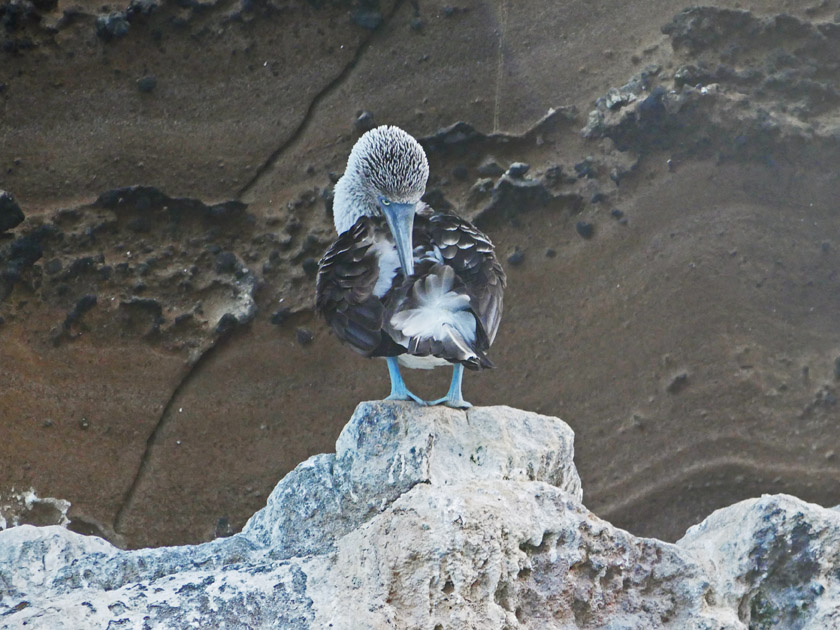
405, 395
453, 397
398, 389
455, 403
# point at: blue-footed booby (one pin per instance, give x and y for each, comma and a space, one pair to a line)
418, 287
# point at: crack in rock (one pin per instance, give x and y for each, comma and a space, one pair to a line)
316, 100
195, 366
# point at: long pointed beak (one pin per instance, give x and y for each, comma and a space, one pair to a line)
400, 218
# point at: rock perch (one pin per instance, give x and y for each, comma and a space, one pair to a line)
439, 518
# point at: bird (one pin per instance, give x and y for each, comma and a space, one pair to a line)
421, 288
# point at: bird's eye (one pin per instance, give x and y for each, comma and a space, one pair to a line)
385, 202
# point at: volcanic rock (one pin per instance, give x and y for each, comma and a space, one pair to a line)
432, 516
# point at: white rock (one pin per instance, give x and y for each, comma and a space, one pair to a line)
434, 518
775, 560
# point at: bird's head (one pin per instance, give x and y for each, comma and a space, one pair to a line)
386, 175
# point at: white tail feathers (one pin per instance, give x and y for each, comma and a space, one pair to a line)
436, 312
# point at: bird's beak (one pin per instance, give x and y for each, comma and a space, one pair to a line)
400, 218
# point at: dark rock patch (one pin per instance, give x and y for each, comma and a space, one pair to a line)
141, 7
142, 223
82, 265
147, 84
19, 255
112, 26
223, 528
585, 229
227, 323
517, 257
364, 121
310, 266
141, 199
554, 177
142, 315
490, 169
10, 213
511, 196
586, 168
226, 262
86, 303
86, 527
699, 28
461, 136
304, 336
678, 383
460, 172
53, 267
518, 169
280, 316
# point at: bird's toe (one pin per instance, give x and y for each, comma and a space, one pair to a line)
406, 396
454, 403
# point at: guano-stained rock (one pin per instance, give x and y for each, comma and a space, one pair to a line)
436, 518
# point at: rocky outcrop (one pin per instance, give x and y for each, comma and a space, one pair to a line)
720, 100
435, 518
180, 294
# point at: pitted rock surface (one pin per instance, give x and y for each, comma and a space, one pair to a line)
432, 517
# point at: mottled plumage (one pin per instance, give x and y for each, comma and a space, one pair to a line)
442, 303
385, 161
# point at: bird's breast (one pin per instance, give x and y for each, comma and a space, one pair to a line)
389, 263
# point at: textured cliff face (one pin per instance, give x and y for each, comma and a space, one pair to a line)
435, 518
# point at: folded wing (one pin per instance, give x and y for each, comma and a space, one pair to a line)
346, 291
450, 308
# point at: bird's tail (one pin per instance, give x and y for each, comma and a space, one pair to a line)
436, 318
456, 348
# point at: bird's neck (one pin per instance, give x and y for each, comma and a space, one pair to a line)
350, 202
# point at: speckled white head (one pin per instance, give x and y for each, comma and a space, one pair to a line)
385, 162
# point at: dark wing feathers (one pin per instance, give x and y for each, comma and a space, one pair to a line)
349, 270
347, 275
470, 253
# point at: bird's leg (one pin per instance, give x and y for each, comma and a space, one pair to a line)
453, 397
398, 389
